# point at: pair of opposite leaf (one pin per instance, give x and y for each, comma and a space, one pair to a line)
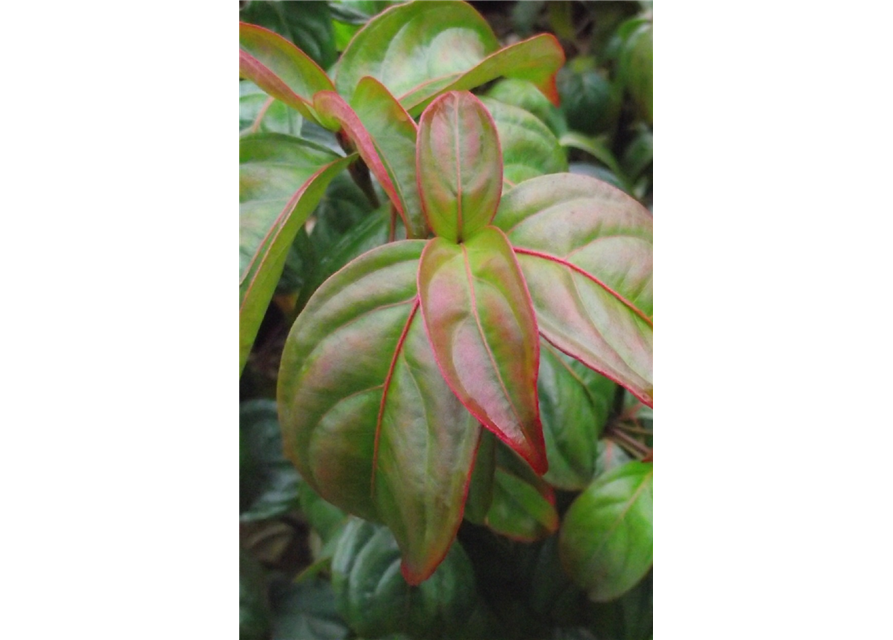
399, 358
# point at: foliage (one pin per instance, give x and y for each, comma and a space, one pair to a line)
458, 332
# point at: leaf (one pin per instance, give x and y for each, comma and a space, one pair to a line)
529, 149
280, 68
481, 325
610, 456
254, 612
260, 113
419, 50
598, 149
553, 596
639, 155
306, 611
575, 403
606, 536
523, 505
307, 24
367, 418
269, 486
585, 250
385, 137
629, 617
524, 95
459, 165
588, 99
375, 600
325, 518
264, 256
635, 70
480, 490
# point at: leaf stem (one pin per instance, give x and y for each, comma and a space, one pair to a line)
359, 172
632, 445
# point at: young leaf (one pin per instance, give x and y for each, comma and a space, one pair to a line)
385, 137
606, 536
367, 418
419, 50
574, 405
585, 250
280, 68
459, 165
376, 601
481, 325
267, 236
529, 149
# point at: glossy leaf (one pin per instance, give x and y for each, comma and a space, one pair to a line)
575, 403
480, 322
367, 417
306, 611
480, 490
280, 68
585, 250
385, 137
536, 60
524, 95
419, 50
606, 536
523, 506
269, 486
258, 112
529, 149
459, 165
263, 257
374, 598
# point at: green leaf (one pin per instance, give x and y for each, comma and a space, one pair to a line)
598, 149
325, 518
523, 505
635, 67
306, 611
385, 137
629, 617
529, 149
419, 50
280, 68
367, 418
374, 598
254, 612
525, 95
639, 155
459, 166
269, 486
553, 596
480, 490
480, 321
258, 112
606, 536
585, 250
575, 403
610, 456
589, 100
307, 24
268, 168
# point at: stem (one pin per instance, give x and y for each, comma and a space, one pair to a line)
359, 171
630, 444
392, 230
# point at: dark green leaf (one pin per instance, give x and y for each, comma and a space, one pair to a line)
374, 598
523, 506
478, 315
307, 24
639, 154
459, 166
629, 617
367, 417
599, 173
606, 536
529, 149
635, 67
254, 612
585, 250
270, 485
588, 99
480, 491
258, 112
306, 611
574, 405
325, 518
